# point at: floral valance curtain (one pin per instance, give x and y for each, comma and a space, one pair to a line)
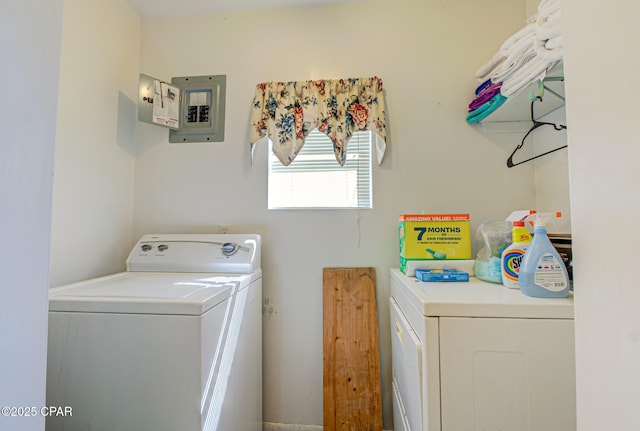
287, 111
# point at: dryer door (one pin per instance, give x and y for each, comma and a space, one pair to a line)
406, 355
507, 374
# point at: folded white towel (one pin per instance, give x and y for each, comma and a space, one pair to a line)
548, 38
554, 43
514, 44
547, 6
505, 70
485, 70
524, 33
517, 50
533, 71
548, 22
527, 54
548, 26
553, 52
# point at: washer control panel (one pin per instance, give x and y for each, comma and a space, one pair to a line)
230, 253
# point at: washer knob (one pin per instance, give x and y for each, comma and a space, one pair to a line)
162, 247
146, 247
229, 248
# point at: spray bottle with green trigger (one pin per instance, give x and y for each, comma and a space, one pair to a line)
542, 271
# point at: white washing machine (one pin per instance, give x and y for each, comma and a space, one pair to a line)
172, 344
476, 356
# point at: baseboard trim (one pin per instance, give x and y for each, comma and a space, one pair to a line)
274, 426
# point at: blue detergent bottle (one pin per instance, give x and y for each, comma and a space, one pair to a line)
542, 271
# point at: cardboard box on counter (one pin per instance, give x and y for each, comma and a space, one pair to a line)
434, 237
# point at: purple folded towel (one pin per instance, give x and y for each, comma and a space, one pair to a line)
486, 94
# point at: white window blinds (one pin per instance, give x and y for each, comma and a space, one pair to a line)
315, 180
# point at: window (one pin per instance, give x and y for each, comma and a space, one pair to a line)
316, 180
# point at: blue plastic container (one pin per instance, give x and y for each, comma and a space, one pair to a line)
542, 271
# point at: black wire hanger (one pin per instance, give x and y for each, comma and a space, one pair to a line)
535, 125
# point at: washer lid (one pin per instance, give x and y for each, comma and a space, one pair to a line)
144, 293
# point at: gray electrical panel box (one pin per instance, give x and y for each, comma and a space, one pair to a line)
192, 107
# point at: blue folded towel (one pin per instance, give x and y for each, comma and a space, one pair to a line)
484, 110
482, 86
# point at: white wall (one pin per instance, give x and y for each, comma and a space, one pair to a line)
426, 54
30, 31
95, 143
604, 160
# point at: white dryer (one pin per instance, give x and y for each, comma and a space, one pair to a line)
172, 344
476, 356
